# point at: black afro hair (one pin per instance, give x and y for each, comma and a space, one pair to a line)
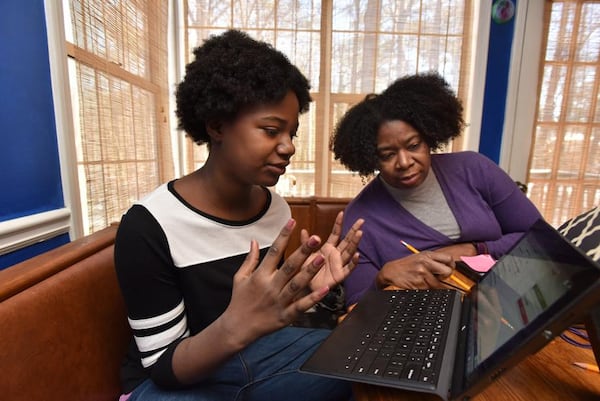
231, 71
425, 101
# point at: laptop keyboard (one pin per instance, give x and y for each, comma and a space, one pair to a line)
407, 345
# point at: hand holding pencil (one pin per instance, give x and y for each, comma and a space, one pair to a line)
422, 270
452, 281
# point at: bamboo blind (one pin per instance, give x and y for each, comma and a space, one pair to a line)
118, 54
347, 49
564, 174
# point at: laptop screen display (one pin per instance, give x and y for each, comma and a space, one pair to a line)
538, 276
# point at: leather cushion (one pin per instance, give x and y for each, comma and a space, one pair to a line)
65, 337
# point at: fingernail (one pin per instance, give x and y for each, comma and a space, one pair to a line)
312, 242
323, 291
290, 224
318, 260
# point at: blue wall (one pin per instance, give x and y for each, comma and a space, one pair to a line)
29, 163
496, 86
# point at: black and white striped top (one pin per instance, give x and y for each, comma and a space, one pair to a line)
175, 266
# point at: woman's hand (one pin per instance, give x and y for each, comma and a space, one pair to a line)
419, 271
266, 298
341, 257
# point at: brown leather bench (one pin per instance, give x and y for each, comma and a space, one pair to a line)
63, 328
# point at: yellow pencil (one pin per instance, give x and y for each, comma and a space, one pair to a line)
410, 247
464, 285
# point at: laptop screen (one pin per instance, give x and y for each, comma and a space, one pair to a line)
515, 299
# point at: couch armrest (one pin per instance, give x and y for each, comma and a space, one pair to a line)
29, 272
64, 325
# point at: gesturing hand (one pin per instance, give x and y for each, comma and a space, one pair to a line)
341, 257
267, 298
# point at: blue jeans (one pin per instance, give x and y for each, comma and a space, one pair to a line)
266, 370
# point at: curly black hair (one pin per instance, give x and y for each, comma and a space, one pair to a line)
425, 101
231, 71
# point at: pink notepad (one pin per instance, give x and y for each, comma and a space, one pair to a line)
479, 263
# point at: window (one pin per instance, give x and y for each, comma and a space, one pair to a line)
347, 49
118, 73
564, 173
117, 52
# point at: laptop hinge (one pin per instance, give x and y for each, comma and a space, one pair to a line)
458, 378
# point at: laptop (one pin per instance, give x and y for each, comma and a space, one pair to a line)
454, 344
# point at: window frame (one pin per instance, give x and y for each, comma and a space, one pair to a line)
61, 51
525, 80
521, 99
176, 57
324, 105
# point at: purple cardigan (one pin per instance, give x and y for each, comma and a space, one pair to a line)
486, 202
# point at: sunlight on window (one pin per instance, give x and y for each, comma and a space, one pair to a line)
373, 42
564, 175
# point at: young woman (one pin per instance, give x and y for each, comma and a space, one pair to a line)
199, 260
457, 204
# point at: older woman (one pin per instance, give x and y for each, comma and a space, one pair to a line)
456, 204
